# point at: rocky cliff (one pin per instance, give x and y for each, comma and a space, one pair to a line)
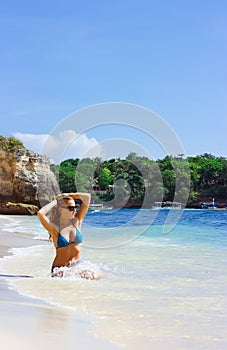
26, 180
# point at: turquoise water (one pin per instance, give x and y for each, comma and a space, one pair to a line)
165, 276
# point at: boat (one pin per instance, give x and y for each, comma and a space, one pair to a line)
209, 205
99, 207
167, 205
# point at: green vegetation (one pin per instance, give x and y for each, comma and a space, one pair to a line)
138, 180
10, 144
130, 179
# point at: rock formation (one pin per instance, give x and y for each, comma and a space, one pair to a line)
26, 180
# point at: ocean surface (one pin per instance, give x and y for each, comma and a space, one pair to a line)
164, 282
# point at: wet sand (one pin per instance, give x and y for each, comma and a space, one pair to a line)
29, 323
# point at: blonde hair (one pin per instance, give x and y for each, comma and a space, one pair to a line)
55, 213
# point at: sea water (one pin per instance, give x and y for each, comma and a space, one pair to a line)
164, 283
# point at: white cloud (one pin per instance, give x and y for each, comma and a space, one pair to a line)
64, 145
32, 141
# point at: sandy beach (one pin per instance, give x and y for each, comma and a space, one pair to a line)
27, 323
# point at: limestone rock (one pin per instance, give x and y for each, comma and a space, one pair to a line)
25, 179
10, 208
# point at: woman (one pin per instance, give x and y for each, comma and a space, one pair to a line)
67, 212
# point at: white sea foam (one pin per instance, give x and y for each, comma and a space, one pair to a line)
25, 225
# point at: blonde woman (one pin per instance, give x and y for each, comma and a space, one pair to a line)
66, 214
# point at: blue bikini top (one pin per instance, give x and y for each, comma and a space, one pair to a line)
62, 241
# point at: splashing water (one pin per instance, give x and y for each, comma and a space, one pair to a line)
81, 268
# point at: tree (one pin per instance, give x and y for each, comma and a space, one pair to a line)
84, 177
67, 177
105, 178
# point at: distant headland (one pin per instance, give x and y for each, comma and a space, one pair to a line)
28, 180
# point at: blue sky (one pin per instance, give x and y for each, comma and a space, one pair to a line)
170, 57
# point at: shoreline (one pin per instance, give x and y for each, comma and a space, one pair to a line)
28, 322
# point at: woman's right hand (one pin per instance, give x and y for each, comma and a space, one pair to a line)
61, 195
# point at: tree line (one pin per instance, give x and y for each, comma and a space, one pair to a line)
138, 180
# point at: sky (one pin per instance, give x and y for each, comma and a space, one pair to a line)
58, 58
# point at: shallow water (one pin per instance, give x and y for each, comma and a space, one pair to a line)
164, 285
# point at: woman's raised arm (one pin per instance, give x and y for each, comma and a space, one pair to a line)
86, 199
43, 218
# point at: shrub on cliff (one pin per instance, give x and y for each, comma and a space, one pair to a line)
10, 144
